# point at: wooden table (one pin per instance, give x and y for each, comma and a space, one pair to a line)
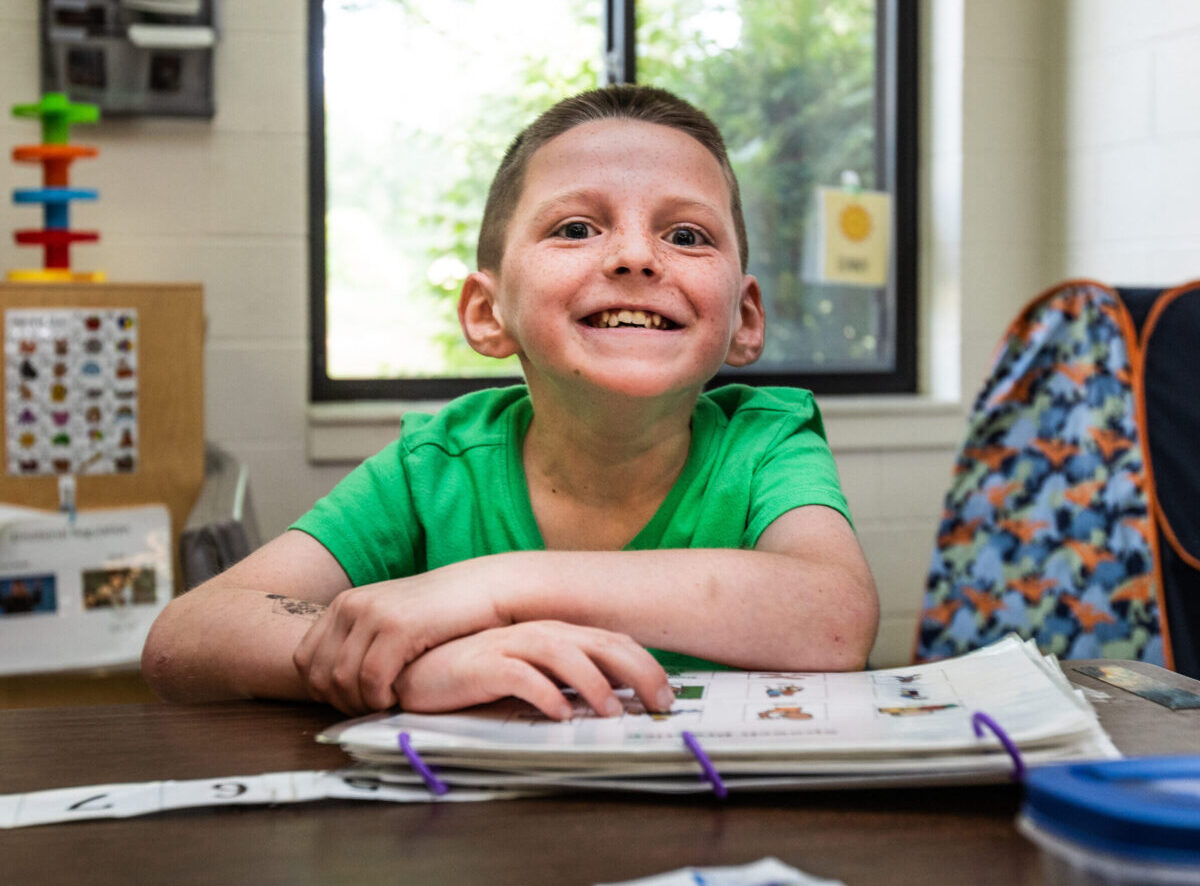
919, 837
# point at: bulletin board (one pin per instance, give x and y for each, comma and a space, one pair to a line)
139, 350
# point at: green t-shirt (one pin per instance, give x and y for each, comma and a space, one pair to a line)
452, 487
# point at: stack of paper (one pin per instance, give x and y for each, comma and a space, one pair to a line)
760, 730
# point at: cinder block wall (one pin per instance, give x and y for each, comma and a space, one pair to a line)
1129, 141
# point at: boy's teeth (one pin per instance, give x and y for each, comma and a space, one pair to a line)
644, 319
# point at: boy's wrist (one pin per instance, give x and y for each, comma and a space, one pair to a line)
508, 580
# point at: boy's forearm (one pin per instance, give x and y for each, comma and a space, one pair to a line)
750, 609
215, 643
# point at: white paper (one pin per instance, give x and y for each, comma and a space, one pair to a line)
249, 790
95, 801
764, 872
9, 803
81, 592
848, 239
355, 785
172, 36
145, 798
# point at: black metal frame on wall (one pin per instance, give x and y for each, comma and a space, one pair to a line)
129, 59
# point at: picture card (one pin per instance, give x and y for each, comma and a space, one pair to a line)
80, 592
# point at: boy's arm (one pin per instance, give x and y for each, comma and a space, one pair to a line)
802, 600
234, 635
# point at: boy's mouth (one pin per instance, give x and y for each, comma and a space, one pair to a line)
639, 319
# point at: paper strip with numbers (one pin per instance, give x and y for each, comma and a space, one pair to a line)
146, 798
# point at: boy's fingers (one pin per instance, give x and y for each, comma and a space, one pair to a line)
345, 670
524, 660
568, 660
304, 658
332, 672
591, 660
379, 669
303, 655
627, 663
521, 679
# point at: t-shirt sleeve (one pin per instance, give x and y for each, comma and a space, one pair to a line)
797, 470
368, 522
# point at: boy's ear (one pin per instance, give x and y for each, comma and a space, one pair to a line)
479, 317
750, 333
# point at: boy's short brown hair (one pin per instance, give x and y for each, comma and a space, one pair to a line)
622, 102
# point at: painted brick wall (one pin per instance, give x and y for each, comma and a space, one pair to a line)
1130, 140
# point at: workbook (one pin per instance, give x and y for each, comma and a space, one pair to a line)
975, 718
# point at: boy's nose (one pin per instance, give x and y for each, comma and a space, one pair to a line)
632, 253
622, 269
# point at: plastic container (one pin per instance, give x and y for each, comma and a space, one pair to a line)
1116, 823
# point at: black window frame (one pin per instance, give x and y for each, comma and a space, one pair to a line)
896, 116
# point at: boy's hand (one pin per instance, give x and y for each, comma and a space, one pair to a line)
351, 657
525, 660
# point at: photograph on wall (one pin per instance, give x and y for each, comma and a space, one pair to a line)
113, 588
27, 594
71, 391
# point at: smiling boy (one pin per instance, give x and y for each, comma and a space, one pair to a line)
550, 534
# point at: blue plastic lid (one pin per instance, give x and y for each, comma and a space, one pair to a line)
1145, 808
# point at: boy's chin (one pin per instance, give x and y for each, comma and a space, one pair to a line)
632, 385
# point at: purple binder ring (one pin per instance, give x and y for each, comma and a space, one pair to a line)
710, 772
978, 720
435, 784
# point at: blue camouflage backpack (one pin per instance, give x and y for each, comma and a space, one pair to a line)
1053, 527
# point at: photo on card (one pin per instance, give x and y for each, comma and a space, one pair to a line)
924, 710
785, 691
635, 710
26, 594
115, 588
913, 693
792, 712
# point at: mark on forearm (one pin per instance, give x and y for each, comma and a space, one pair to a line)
291, 606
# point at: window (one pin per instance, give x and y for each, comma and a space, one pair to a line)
417, 100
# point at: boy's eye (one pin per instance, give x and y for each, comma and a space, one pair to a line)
575, 231
687, 237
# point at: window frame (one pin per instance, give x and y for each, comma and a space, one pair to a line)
897, 152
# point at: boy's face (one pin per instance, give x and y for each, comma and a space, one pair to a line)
621, 267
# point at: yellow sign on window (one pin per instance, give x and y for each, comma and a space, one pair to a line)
849, 237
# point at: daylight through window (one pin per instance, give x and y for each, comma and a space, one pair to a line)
417, 100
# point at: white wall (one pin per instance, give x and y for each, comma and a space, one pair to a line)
985, 250
1130, 141
223, 202
1035, 118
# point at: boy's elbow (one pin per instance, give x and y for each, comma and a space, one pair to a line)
852, 635
158, 662
165, 665
855, 652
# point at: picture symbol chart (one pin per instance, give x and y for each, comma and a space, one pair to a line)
71, 391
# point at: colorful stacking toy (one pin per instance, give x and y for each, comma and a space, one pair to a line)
57, 114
